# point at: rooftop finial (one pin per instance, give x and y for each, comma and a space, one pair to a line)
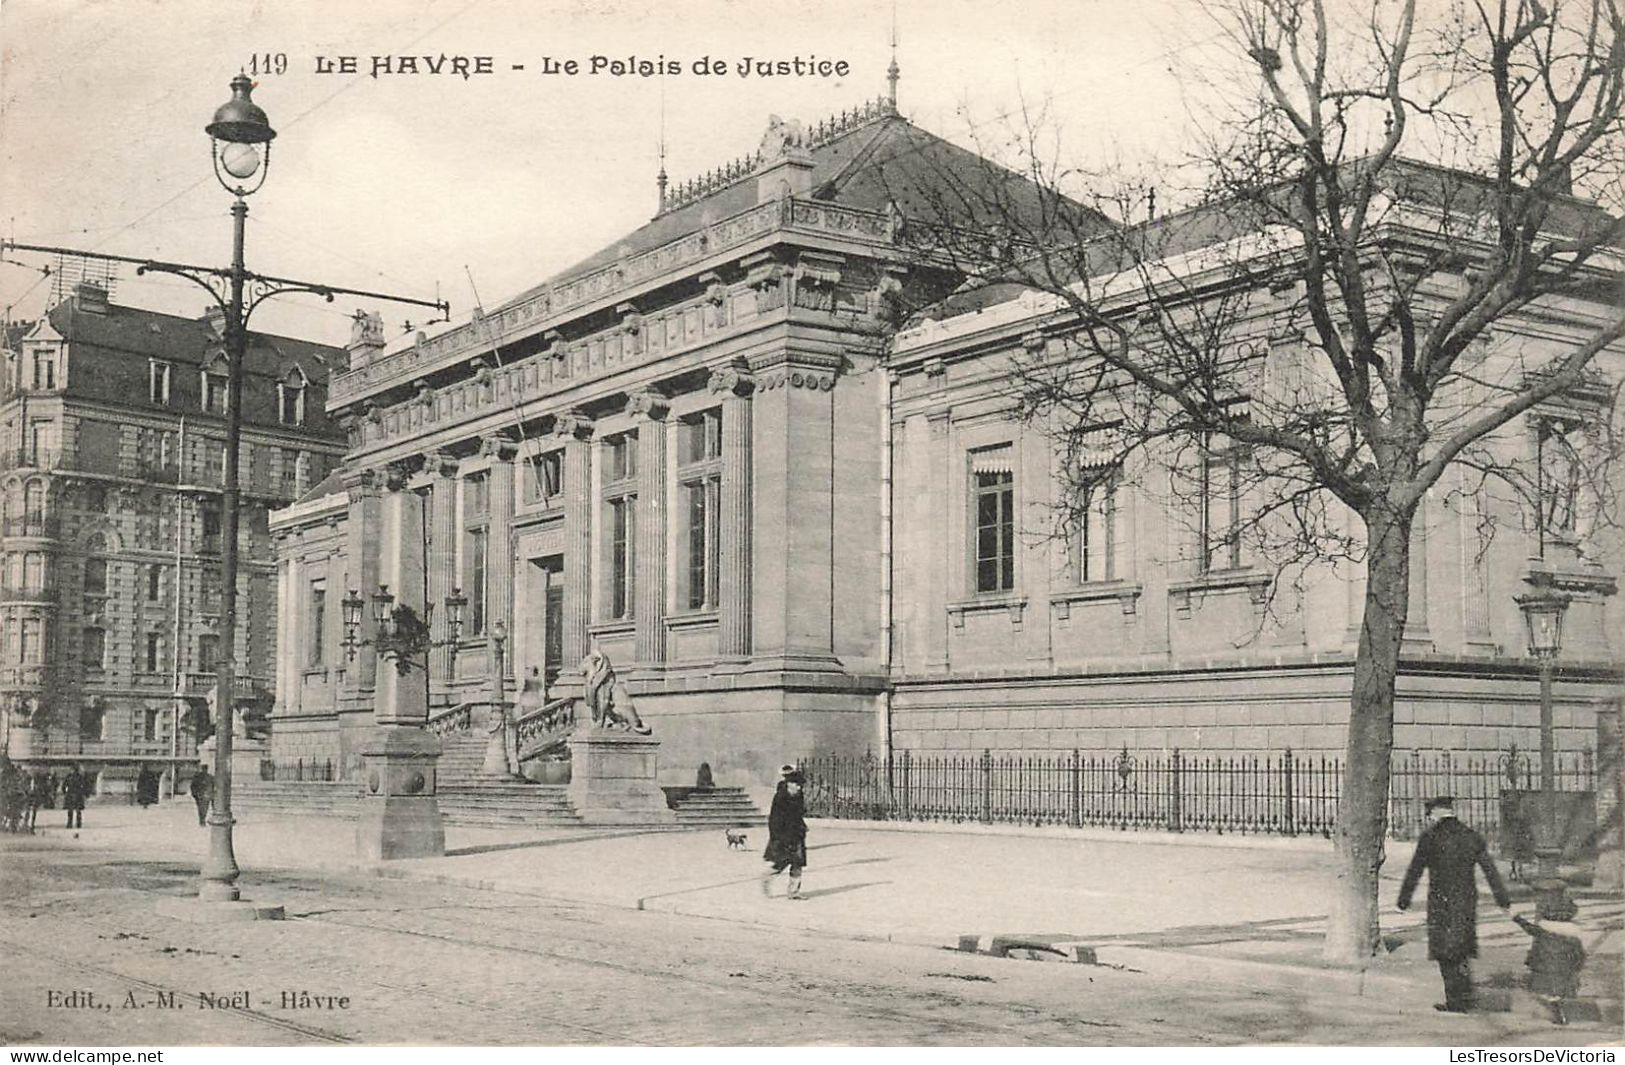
660, 178
892, 72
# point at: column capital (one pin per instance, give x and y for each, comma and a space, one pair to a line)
398, 472
440, 464
648, 404
731, 380
572, 425
360, 483
498, 446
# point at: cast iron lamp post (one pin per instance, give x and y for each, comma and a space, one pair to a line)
401, 634
501, 750
1543, 608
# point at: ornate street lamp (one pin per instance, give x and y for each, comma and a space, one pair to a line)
1543, 607
240, 148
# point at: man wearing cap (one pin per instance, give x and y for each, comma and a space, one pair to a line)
1449, 851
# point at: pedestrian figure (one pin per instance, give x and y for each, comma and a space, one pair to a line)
787, 833
146, 787
75, 786
13, 794
202, 792
1450, 851
1555, 957
39, 791
52, 787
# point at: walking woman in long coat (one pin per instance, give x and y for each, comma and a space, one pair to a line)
1450, 852
75, 787
787, 833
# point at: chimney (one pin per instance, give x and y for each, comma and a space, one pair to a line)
215, 319
366, 338
784, 165
90, 297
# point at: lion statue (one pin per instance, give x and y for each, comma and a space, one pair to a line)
607, 697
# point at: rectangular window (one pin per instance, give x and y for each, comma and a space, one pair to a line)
93, 647
622, 530
476, 496
291, 404
92, 722
1093, 547
318, 623
158, 381
33, 644
208, 652
149, 724
210, 515
214, 393
621, 457
1221, 504
475, 546
994, 507
700, 438
699, 471
95, 576
44, 370
702, 542
544, 477
154, 647
155, 582
40, 436
288, 474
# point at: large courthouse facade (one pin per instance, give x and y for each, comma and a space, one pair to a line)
706, 452
672, 451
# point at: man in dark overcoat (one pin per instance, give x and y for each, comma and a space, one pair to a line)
75, 786
787, 833
202, 792
1450, 852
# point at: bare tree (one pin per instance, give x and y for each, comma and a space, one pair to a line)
1382, 197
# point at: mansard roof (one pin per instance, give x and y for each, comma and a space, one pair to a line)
136, 331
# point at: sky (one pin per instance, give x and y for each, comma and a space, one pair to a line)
435, 184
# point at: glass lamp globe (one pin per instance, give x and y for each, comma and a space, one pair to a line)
239, 160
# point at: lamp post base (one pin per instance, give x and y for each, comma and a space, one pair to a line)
207, 910
399, 815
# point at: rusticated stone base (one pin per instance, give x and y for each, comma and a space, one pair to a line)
613, 778
399, 814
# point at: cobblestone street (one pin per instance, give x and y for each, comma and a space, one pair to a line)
433, 963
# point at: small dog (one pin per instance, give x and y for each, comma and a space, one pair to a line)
736, 838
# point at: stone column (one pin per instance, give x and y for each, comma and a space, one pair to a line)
499, 563
649, 610
941, 564
733, 523
442, 470
576, 431
361, 533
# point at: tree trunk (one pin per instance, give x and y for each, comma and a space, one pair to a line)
1362, 809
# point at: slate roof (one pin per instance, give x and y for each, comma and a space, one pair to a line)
865, 167
136, 331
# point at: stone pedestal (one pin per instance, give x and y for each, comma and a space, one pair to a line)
399, 814
246, 756
612, 778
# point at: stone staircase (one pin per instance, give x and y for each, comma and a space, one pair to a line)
507, 804
461, 756
311, 798
719, 807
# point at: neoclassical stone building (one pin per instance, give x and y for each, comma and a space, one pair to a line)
673, 451
112, 435
1138, 612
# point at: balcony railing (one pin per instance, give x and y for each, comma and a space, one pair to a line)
26, 678
30, 458
201, 685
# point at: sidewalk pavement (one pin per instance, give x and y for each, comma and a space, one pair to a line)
1195, 907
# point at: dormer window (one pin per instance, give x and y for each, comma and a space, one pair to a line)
44, 369
214, 393
291, 401
158, 381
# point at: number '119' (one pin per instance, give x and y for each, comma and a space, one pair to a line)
268, 63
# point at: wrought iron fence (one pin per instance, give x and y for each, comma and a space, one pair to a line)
298, 770
1282, 794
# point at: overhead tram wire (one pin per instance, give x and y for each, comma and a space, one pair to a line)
496, 353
